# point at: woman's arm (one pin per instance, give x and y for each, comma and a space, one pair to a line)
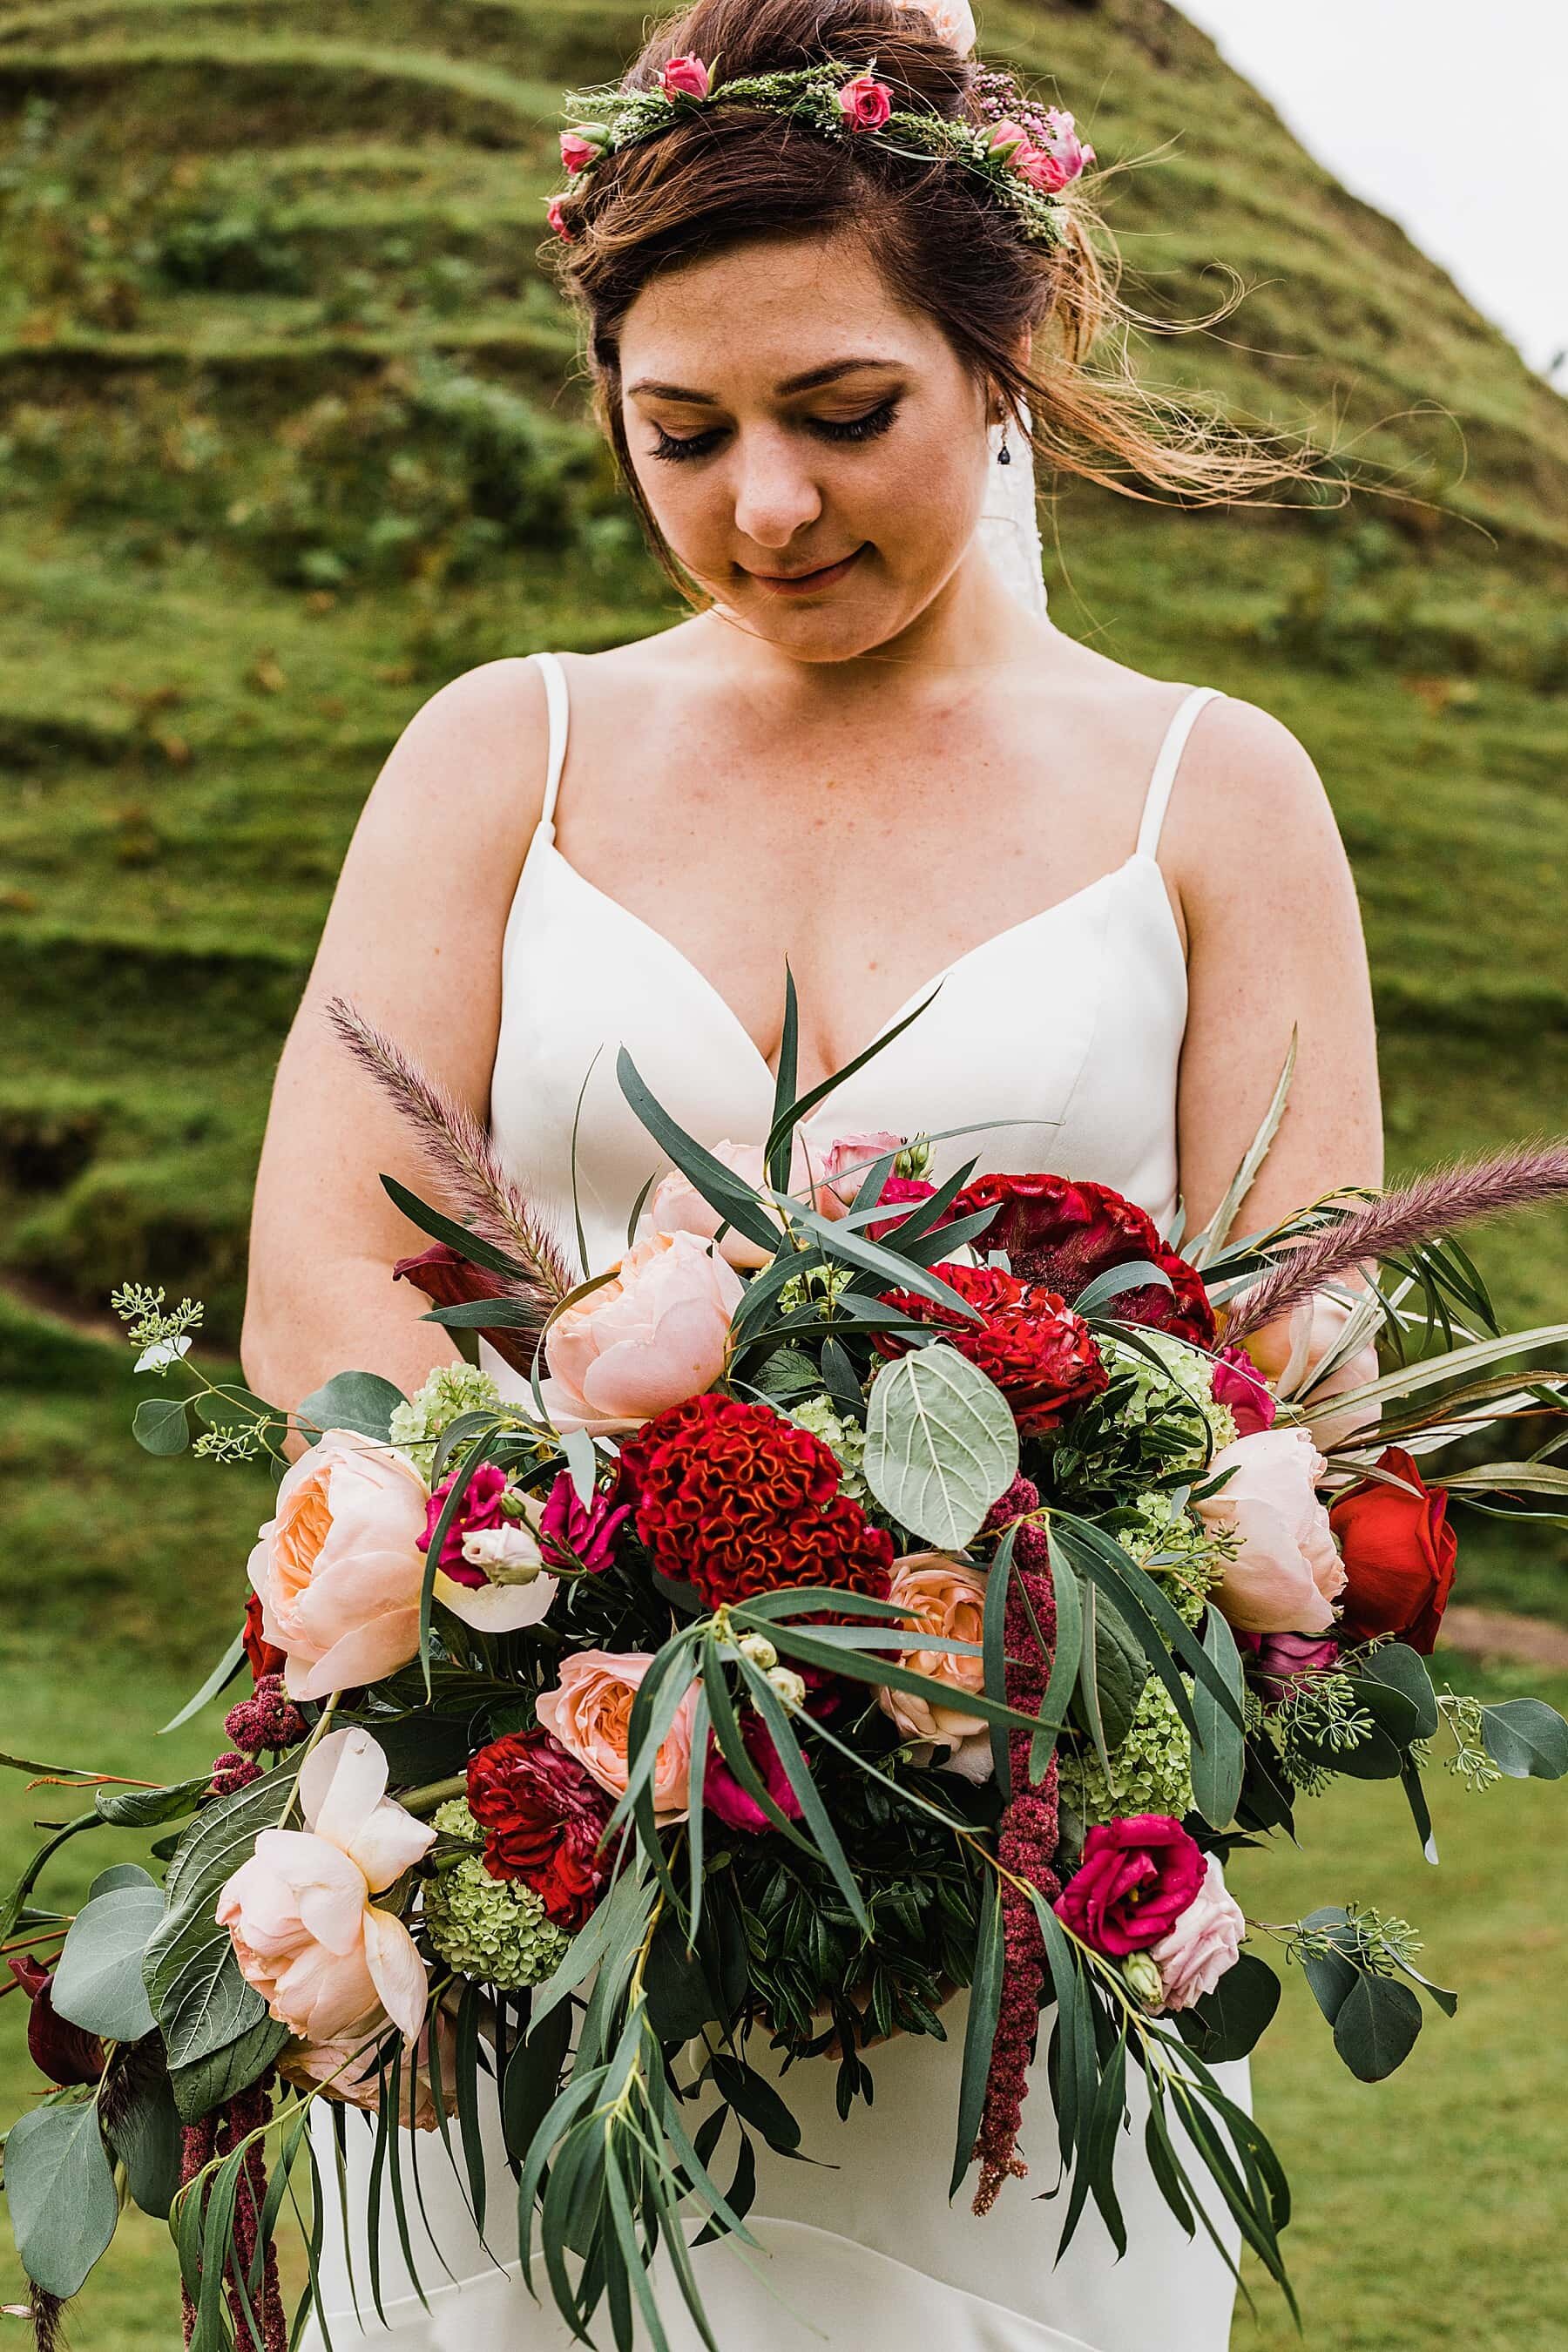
412, 937
1274, 939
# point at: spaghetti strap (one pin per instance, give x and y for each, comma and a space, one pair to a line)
1165, 765
558, 706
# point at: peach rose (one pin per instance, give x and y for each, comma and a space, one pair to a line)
1203, 1944
306, 1934
652, 1337
345, 2071
1288, 1356
946, 1597
589, 1713
678, 1207
953, 21
1286, 1571
337, 1566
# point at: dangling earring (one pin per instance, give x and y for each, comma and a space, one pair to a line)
1004, 454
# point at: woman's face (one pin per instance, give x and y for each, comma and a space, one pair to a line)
813, 451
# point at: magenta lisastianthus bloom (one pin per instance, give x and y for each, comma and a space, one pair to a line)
1136, 1878
585, 1530
865, 102
722, 1793
1239, 1385
685, 77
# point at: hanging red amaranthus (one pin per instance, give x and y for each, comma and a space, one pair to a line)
218, 2135
1026, 1846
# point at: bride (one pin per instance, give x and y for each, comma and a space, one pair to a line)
820, 360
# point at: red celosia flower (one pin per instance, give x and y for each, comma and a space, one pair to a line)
1063, 1234
735, 1499
1039, 1353
543, 1817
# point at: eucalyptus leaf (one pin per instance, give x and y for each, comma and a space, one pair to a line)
61, 2194
1230, 2021
1376, 2027
1526, 1739
97, 1980
1404, 1671
160, 1425
941, 1445
360, 1402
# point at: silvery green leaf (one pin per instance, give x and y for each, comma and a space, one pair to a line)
161, 1354
61, 2194
941, 1445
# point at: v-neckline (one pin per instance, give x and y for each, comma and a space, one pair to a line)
726, 1011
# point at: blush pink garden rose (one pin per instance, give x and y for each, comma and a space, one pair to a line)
1203, 1942
589, 1714
685, 77
945, 1597
1286, 1573
652, 1337
865, 103
306, 1934
338, 1567
678, 1207
1288, 1357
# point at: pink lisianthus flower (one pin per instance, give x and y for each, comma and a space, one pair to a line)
652, 1338
1286, 1573
722, 1793
1137, 1877
585, 1530
849, 1159
1203, 1942
1239, 1385
865, 103
480, 1508
685, 77
305, 1932
678, 1207
589, 1714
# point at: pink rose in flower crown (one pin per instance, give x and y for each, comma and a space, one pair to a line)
1238, 1385
1203, 1942
650, 1339
865, 102
1007, 138
582, 147
1286, 1571
1137, 1877
337, 1566
555, 215
1057, 158
685, 77
305, 1932
589, 1714
678, 1207
944, 1597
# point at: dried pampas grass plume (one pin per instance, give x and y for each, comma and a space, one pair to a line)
461, 1153
1435, 1203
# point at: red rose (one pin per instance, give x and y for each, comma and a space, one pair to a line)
735, 1499
1136, 1878
1399, 1555
1062, 1235
1039, 1353
264, 1656
543, 1817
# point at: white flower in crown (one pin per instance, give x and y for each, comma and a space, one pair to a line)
954, 21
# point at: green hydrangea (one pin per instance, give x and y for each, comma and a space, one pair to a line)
1187, 1374
1150, 1771
448, 1390
845, 1439
1177, 1549
494, 1930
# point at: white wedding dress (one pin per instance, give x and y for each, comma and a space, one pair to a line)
1071, 1023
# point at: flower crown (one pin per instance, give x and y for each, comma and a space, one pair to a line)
1023, 154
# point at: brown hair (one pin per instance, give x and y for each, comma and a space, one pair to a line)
717, 179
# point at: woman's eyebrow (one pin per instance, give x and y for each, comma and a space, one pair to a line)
811, 381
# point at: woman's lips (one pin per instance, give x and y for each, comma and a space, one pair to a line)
807, 583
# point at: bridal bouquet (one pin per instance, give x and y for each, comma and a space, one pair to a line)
869, 1587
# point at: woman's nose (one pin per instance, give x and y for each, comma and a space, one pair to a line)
775, 493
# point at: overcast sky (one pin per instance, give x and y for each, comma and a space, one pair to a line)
1448, 117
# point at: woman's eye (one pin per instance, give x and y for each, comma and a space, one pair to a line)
857, 428
692, 445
